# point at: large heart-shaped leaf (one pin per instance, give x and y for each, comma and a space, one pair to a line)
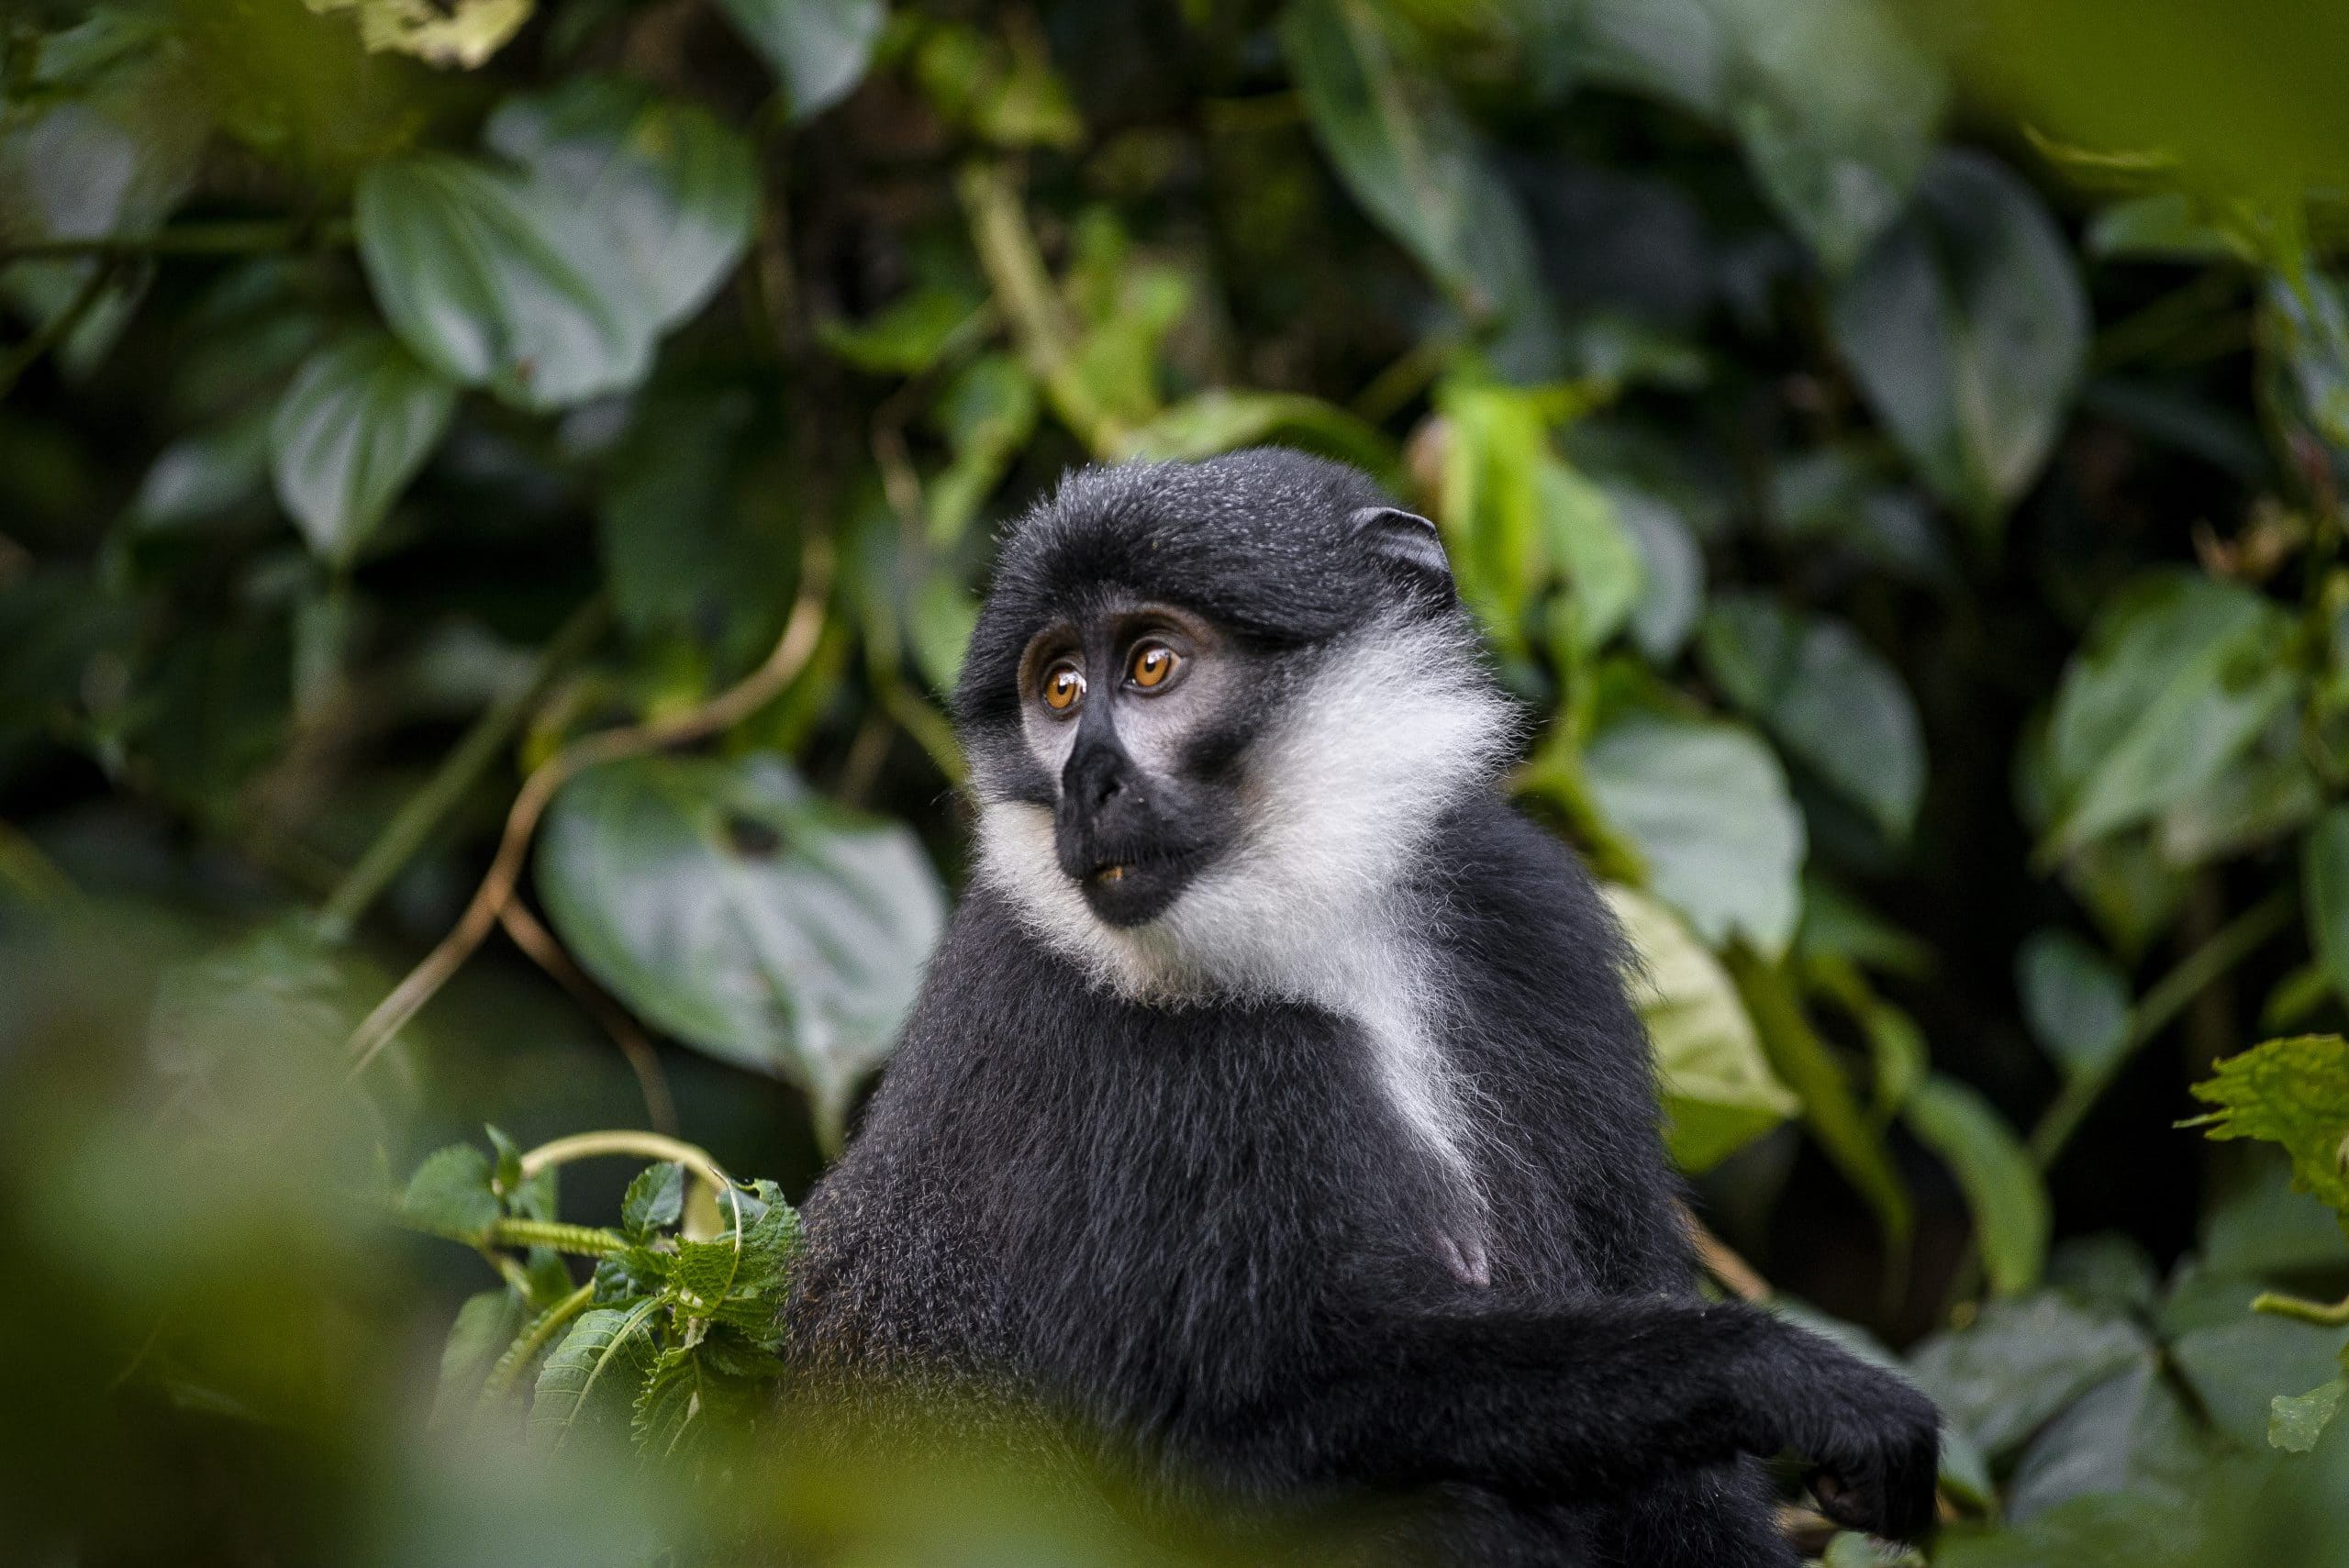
1706, 805
549, 280
733, 907
1966, 328
357, 421
2176, 679
1718, 1092
1829, 699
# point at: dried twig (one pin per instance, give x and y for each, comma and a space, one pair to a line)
722, 712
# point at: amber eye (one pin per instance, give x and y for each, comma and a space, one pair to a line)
1064, 686
1153, 664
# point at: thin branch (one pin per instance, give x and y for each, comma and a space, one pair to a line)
1721, 1261
228, 238
2234, 942
1040, 321
406, 833
55, 330
2324, 1314
535, 940
721, 713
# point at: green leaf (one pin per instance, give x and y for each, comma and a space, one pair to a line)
907, 337
1836, 112
1588, 543
2292, 1092
2019, 1364
1706, 805
820, 48
2304, 327
1672, 572
451, 1194
1718, 1092
592, 1377
1967, 328
668, 1405
486, 1324
1405, 152
2236, 1366
670, 192
653, 1200
446, 32
2002, 1188
945, 613
352, 430
2075, 999
2177, 676
2132, 1432
1828, 698
2296, 1420
731, 906
1222, 420
987, 414
2324, 870
550, 281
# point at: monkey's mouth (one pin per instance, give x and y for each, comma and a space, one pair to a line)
1131, 887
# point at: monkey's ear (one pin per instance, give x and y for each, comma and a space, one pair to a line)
1408, 546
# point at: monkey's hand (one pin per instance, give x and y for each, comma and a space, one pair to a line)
1875, 1442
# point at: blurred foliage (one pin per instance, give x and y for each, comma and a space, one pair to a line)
494, 492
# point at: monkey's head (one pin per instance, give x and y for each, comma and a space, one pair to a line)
1211, 707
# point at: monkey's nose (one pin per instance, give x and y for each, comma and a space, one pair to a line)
1096, 776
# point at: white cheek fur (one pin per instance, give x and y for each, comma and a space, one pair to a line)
1396, 725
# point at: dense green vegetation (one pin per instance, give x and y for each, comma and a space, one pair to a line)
492, 492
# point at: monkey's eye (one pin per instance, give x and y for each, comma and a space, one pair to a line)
1153, 664
1064, 686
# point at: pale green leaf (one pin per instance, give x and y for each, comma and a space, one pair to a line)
357, 423
2012, 1218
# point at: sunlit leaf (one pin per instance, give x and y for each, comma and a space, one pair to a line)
1718, 1092
1967, 328
2292, 1092
733, 907
357, 423
446, 32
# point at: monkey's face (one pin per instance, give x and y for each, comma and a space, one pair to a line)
1138, 713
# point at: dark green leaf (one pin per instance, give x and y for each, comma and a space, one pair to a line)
2076, 1001
1672, 572
353, 428
733, 909
2132, 1432
451, 1194
1967, 329
2019, 1364
592, 1377
486, 1324
2237, 1367
2177, 676
653, 1200
1827, 696
2001, 1185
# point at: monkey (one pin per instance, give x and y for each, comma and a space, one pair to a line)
1275, 1102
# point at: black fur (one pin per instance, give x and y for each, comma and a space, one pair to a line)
1206, 1232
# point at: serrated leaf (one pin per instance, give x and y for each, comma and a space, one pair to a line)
731, 906
2075, 999
594, 1376
1718, 1091
2292, 1092
1827, 696
451, 1194
1707, 806
669, 1404
2011, 1216
653, 1199
2295, 1421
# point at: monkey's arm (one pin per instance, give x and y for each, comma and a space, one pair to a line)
1589, 1399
